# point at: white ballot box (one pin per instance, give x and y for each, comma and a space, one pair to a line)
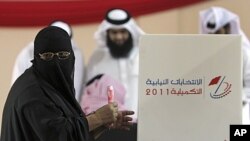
190, 87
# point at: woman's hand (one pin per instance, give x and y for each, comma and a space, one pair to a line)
123, 120
106, 115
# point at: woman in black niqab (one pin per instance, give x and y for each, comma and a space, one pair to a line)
41, 104
55, 69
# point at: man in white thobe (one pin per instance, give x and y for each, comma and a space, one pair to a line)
218, 20
117, 54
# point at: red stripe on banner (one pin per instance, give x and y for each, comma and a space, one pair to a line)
40, 13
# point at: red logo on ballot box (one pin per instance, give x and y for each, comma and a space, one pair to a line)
220, 86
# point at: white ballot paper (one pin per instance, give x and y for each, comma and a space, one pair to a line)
190, 87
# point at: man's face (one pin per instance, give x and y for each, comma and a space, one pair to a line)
118, 36
223, 30
119, 42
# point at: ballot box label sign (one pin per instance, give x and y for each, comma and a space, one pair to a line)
217, 87
174, 87
239, 132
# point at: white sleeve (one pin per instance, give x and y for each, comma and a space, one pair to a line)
79, 74
95, 59
23, 61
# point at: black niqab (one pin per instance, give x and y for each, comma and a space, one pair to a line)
58, 73
41, 104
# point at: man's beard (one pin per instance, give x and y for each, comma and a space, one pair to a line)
120, 51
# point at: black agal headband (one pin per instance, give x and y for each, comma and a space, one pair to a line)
117, 16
